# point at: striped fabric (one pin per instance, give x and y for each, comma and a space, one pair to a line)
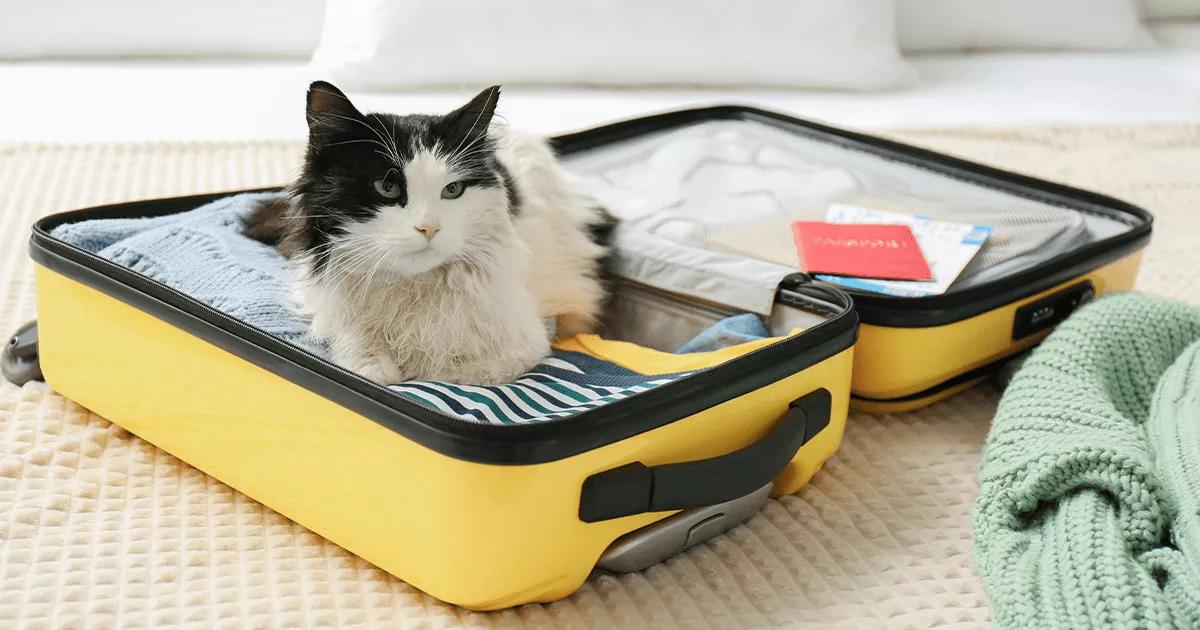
562, 385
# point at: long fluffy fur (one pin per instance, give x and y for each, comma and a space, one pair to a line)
470, 307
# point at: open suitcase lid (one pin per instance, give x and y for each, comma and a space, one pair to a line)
725, 182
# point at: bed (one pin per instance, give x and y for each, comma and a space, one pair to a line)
98, 525
210, 100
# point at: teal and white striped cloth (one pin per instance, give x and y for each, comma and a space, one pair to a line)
204, 254
562, 385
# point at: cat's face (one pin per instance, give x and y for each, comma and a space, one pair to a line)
401, 194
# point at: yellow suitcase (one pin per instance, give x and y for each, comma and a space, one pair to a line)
490, 516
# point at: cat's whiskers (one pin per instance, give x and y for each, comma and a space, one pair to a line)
352, 247
462, 163
460, 155
392, 136
339, 266
350, 240
383, 256
479, 116
476, 254
360, 260
358, 141
391, 152
324, 216
346, 265
391, 139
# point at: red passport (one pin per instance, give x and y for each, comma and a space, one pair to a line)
864, 250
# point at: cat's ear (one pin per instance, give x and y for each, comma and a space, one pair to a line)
328, 107
472, 120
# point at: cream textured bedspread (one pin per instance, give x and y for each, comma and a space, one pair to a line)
100, 529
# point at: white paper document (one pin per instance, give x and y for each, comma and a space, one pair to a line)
947, 247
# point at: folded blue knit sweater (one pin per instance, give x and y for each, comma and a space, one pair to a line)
204, 254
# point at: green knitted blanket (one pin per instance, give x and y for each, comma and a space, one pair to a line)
1089, 507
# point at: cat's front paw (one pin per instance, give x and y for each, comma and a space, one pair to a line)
380, 371
373, 367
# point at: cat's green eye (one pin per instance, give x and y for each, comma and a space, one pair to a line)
453, 190
388, 187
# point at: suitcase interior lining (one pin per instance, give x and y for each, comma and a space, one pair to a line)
735, 185
665, 321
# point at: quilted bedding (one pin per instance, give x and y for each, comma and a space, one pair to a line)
99, 528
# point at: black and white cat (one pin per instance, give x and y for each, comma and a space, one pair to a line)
434, 247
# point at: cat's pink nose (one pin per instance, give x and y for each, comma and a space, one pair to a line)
426, 230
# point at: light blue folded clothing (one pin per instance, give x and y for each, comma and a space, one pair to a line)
204, 254
730, 331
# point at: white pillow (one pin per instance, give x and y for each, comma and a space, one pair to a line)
925, 25
373, 44
86, 28
1178, 35
1172, 9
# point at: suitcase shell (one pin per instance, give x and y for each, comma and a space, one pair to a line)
914, 351
483, 516
494, 516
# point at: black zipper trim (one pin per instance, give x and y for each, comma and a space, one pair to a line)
955, 305
485, 443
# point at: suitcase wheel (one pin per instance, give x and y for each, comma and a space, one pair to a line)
19, 360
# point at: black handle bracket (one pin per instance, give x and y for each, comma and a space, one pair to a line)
636, 488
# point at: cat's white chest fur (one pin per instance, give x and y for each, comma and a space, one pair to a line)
448, 324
